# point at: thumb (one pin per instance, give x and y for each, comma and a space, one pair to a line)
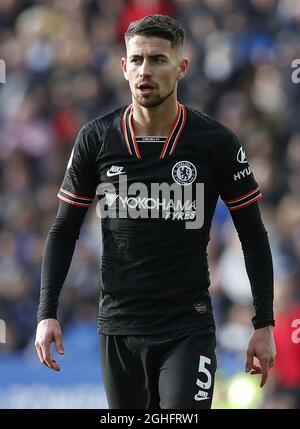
59, 344
249, 363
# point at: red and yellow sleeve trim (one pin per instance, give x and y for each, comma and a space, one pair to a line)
74, 199
244, 200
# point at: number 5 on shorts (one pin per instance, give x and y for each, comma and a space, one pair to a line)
202, 369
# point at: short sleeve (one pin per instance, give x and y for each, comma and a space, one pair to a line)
237, 185
79, 183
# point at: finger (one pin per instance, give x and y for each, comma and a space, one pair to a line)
41, 357
39, 352
253, 371
52, 365
256, 368
59, 344
46, 364
53, 360
264, 371
57, 367
45, 347
249, 363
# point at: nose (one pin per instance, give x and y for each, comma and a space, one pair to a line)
144, 69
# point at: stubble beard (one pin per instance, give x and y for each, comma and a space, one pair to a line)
153, 101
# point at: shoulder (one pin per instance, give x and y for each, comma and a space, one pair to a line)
92, 134
109, 120
218, 134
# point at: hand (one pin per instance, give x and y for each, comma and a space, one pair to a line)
48, 331
261, 346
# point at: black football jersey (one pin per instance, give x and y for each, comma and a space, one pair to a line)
156, 199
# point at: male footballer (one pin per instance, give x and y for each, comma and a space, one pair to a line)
157, 168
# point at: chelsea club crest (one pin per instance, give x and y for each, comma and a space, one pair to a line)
184, 172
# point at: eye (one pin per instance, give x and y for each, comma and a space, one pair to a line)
158, 60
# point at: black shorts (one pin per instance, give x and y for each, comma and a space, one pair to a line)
169, 371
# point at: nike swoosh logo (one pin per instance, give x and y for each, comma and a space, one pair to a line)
200, 398
117, 173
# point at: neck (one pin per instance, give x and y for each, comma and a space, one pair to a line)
154, 121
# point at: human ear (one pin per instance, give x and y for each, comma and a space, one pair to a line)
183, 68
124, 67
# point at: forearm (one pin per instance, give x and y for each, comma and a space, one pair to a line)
56, 262
258, 262
259, 266
57, 258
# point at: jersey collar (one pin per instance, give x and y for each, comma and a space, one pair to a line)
171, 141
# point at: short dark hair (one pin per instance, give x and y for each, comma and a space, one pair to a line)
157, 26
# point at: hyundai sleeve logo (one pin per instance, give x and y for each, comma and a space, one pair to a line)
241, 156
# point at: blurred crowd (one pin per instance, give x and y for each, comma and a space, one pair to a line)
63, 68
